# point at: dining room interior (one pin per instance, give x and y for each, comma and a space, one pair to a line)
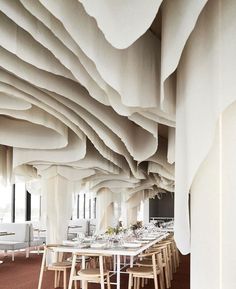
117, 144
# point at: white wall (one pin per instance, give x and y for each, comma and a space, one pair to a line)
213, 212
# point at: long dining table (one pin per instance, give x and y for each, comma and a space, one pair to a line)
115, 251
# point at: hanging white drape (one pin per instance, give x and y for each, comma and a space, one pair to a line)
104, 210
205, 87
132, 207
5, 165
70, 98
58, 193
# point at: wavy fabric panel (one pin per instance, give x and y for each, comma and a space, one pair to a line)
121, 97
216, 90
122, 22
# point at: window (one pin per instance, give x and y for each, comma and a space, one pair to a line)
94, 208
140, 215
20, 202
5, 204
35, 207
84, 206
75, 205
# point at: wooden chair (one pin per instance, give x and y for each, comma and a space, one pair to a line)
175, 251
59, 266
89, 275
149, 266
171, 255
165, 261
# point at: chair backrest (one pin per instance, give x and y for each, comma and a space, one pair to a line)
78, 226
92, 226
100, 258
21, 232
155, 255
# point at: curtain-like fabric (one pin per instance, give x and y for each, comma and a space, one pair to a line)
92, 103
58, 193
105, 213
122, 22
205, 87
5, 165
132, 207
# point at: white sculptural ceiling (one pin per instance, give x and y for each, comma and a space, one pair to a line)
80, 88
104, 91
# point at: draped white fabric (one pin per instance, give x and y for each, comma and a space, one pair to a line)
104, 210
58, 193
202, 93
123, 96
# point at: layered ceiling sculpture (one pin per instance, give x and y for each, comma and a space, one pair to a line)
88, 91
76, 93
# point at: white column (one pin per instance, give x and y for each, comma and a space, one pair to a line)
59, 207
105, 210
146, 211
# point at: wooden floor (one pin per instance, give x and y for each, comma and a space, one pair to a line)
23, 274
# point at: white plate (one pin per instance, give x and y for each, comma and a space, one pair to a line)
98, 245
148, 238
132, 245
70, 243
142, 241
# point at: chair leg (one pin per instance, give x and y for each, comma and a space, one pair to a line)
58, 278
161, 276
167, 277
101, 272
55, 279
161, 279
72, 273
177, 255
108, 282
130, 280
27, 252
138, 283
142, 282
155, 282
13, 255
41, 270
64, 279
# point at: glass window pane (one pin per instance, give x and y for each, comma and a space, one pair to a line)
86, 205
35, 208
5, 204
74, 206
81, 205
20, 202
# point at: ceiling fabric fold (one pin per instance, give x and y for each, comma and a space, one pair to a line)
109, 94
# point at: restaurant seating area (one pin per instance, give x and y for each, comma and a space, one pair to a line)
117, 144
23, 268
146, 256
18, 236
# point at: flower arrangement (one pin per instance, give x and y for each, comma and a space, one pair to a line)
115, 230
137, 225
